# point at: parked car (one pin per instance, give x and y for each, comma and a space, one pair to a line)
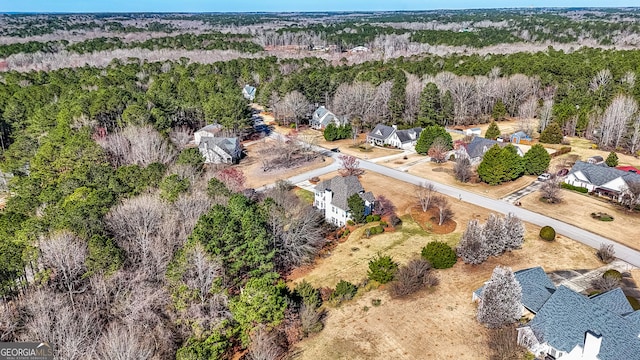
562, 172
336, 150
544, 177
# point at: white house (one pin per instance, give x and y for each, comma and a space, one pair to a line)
600, 178
331, 196
249, 92
568, 325
404, 139
360, 48
475, 131
380, 134
215, 148
323, 117
212, 130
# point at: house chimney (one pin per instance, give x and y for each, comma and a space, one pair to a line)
592, 344
395, 127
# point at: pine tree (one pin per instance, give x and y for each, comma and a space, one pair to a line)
514, 231
513, 161
552, 134
501, 299
612, 159
492, 131
398, 94
492, 169
356, 207
499, 110
429, 135
536, 160
494, 234
330, 132
473, 245
429, 111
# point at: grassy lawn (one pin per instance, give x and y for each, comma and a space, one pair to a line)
438, 323
305, 195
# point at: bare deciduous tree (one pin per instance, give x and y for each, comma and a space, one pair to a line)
264, 345
201, 271
65, 254
295, 106
444, 210
546, 114
551, 191
634, 139
631, 195
414, 276
384, 206
462, 169
606, 253
501, 299
613, 126
124, 342
504, 343
180, 137
438, 150
141, 145
473, 245
350, 166
425, 194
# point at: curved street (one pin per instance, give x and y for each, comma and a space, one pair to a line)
622, 252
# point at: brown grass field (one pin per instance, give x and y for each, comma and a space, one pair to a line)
437, 323
576, 208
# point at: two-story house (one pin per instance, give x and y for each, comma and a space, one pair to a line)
331, 197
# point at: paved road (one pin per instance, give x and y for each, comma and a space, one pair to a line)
622, 252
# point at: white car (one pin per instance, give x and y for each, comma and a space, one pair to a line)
544, 177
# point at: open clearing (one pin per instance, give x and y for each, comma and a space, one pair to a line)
252, 167
576, 208
438, 323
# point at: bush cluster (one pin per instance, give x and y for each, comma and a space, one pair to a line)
375, 230
372, 218
574, 188
382, 269
344, 291
439, 255
547, 233
412, 277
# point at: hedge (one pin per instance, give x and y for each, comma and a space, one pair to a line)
563, 150
574, 188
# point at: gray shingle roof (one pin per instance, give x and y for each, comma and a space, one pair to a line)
342, 188
249, 92
601, 174
479, 145
536, 288
565, 318
228, 145
615, 301
381, 132
409, 135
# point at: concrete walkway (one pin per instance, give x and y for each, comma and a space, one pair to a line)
515, 196
579, 281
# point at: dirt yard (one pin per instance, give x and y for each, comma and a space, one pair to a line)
437, 323
256, 177
622, 229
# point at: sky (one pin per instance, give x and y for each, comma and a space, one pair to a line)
284, 5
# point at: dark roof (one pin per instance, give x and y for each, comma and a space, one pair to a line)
381, 132
536, 288
409, 135
342, 188
601, 174
565, 318
615, 301
479, 145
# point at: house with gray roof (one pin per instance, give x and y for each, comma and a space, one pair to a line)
478, 146
331, 197
322, 117
572, 326
536, 288
519, 136
600, 178
220, 150
380, 134
249, 92
404, 139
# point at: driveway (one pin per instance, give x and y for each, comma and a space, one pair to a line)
513, 197
580, 280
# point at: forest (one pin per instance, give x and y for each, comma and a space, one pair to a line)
115, 236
